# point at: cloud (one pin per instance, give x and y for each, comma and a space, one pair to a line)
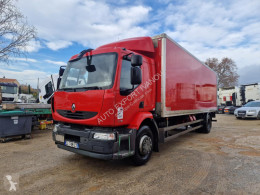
216, 29
24, 59
242, 55
25, 76
33, 46
205, 28
89, 23
56, 62
56, 45
249, 74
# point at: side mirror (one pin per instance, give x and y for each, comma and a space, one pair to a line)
58, 83
62, 69
136, 75
136, 60
91, 68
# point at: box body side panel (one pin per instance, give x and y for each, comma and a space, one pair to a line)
190, 87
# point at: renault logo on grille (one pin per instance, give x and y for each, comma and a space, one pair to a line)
73, 107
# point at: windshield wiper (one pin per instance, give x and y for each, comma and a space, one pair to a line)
87, 88
90, 87
67, 89
81, 88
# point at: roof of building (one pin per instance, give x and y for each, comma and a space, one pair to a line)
5, 80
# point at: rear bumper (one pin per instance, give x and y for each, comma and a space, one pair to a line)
123, 146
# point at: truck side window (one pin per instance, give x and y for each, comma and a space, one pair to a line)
125, 78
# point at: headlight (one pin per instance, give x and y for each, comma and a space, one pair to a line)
251, 110
104, 136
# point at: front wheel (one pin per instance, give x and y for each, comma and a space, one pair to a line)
143, 146
258, 116
207, 124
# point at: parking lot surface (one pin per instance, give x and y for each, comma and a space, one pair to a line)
226, 161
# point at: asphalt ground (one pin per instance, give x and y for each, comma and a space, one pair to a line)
226, 161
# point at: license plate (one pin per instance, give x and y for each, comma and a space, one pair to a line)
71, 144
226, 111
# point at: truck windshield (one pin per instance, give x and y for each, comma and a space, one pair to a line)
8, 89
93, 72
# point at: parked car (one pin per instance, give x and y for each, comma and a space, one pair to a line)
230, 109
221, 109
226, 109
249, 110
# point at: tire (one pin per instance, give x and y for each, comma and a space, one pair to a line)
207, 124
143, 146
258, 116
3, 140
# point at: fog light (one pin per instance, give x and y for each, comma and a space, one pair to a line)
104, 136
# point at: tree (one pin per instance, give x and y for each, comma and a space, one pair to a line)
15, 32
226, 71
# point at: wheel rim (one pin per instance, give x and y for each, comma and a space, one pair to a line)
145, 146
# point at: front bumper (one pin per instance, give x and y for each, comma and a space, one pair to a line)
123, 146
246, 115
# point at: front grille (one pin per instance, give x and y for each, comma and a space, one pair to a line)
77, 114
241, 112
72, 138
7, 99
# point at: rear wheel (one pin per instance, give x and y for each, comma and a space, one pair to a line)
207, 124
143, 146
3, 140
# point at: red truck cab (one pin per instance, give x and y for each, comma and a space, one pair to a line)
109, 103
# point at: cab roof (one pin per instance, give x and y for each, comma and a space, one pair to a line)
138, 44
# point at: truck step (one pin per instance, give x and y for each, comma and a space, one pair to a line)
123, 154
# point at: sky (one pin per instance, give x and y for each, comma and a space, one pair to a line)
206, 28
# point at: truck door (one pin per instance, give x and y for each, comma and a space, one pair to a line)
129, 98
